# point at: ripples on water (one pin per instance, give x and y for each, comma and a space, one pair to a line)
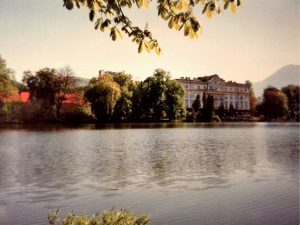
180, 173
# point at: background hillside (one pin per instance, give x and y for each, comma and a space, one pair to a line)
284, 76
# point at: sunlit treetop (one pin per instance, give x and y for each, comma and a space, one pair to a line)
108, 15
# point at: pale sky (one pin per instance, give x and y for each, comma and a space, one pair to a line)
259, 39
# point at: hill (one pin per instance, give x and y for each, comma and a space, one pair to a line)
286, 75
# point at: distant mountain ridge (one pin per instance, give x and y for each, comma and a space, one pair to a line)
286, 75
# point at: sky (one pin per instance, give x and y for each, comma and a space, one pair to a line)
251, 44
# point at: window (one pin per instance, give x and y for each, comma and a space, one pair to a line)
230, 97
236, 105
241, 97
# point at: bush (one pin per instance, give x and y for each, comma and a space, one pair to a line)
216, 119
113, 217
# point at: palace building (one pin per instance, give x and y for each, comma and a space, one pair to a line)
227, 93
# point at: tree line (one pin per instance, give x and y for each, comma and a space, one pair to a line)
110, 98
105, 99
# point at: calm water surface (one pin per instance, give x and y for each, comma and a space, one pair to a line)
238, 173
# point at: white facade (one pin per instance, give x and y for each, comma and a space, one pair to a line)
223, 92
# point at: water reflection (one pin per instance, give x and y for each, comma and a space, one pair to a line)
65, 165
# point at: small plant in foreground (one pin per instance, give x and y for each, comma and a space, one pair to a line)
113, 217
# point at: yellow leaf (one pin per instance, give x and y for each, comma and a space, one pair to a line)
157, 51
179, 6
233, 7
151, 45
140, 3
185, 5
82, 3
146, 3
147, 48
171, 23
208, 12
176, 26
191, 33
203, 2
140, 47
196, 35
97, 5
119, 33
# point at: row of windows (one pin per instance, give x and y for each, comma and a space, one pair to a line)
210, 87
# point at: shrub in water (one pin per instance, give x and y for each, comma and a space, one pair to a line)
113, 217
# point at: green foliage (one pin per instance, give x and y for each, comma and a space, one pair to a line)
6, 87
231, 111
103, 93
123, 107
113, 217
216, 119
196, 104
274, 104
221, 111
208, 108
158, 97
292, 94
179, 14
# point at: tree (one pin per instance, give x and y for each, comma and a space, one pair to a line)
274, 104
175, 95
292, 94
231, 111
49, 88
158, 97
253, 100
179, 14
196, 104
123, 107
6, 87
221, 111
103, 93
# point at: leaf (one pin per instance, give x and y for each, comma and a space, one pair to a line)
165, 16
205, 8
208, 12
171, 23
147, 47
151, 45
69, 4
119, 33
146, 3
186, 30
97, 4
226, 4
97, 23
139, 3
203, 2
196, 35
239, 2
233, 8
185, 5
82, 3
92, 14
179, 6
140, 47
191, 33
157, 51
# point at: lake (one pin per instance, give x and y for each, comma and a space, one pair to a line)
227, 173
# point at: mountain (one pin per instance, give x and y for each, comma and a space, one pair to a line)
286, 75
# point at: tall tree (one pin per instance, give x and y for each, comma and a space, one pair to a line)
274, 104
196, 104
103, 93
49, 87
253, 100
175, 94
6, 87
179, 14
231, 110
292, 93
123, 107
